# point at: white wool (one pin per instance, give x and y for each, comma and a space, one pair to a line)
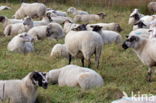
60, 19
72, 76
74, 11
140, 32
69, 26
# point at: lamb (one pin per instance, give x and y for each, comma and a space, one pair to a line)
30, 9
152, 6
107, 26
5, 21
24, 90
53, 30
89, 18
145, 50
74, 11
21, 43
73, 75
14, 29
135, 16
107, 35
84, 43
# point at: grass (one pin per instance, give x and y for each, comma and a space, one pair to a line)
121, 70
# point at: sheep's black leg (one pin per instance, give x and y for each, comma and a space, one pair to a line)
82, 61
70, 58
89, 63
149, 75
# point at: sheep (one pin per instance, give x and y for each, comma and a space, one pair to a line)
57, 12
5, 21
30, 9
24, 90
152, 6
73, 75
60, 19
89, 18
14, 29
21, 43
107, 35
73, 11
4, 8
134, 17
85, 43
59, 50
107, 26
145, 50
53, 30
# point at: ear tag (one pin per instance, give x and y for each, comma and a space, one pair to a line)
138, 33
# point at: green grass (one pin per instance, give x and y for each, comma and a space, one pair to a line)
121, 70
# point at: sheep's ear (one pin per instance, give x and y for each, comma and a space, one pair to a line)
92, 26
127, 36
21, 36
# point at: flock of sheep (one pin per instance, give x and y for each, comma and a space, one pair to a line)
80, 41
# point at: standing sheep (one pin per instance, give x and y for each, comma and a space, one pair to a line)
22, 91
152, 6
21, 43
72, 76
31, 9
53, 30
86, 43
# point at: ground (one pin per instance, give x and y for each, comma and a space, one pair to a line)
121, 70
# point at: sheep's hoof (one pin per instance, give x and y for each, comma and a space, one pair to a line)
149, 78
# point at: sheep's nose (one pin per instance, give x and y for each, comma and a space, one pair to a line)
124, 45
45, 85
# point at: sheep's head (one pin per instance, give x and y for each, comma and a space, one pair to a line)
81, 27
118, 28
48, 15
2, 18
71, 10
39, 79
28, 21
25, 37
102, 15
96, 28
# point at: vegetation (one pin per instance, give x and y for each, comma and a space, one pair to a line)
121, 70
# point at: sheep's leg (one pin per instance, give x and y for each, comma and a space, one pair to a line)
82, 61
149, 76
70, 59
89, 63
97, 57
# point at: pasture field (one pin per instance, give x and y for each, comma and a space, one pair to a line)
121, 70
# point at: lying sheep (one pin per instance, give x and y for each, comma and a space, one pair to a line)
145, 50
53, 30
74, 11
89, 18
107, 26
4, 8
107, 35
72, 76
14, 29
21, 43
57, 12
84, 43
61, 19
135, 16
5, 21
31, 9
24, 90
152, 6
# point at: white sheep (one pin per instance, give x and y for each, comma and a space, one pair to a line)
31, 10
89, 18
145, 50
14, 29
24, 90
85, 43
5, 21
61, 19
60, 13
152, 6
74, 11
52, 30
21, 43
107, 26
73, 75
4, 8
68, 26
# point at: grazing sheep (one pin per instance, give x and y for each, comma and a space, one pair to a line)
14, 29
5, 21
24, 90
53, 30
107, 26
152, 6
89, 18
59, 50
73, 11
73, 75
84, 43
135, 17
31, 9
21, 43
145, 50
107, 35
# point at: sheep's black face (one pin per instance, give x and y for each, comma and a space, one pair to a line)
136, 16
96, 28
81, 27
39, 79
118, 28
131, 42
2, 18
102, 15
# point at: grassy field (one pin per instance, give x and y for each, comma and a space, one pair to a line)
121, 70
